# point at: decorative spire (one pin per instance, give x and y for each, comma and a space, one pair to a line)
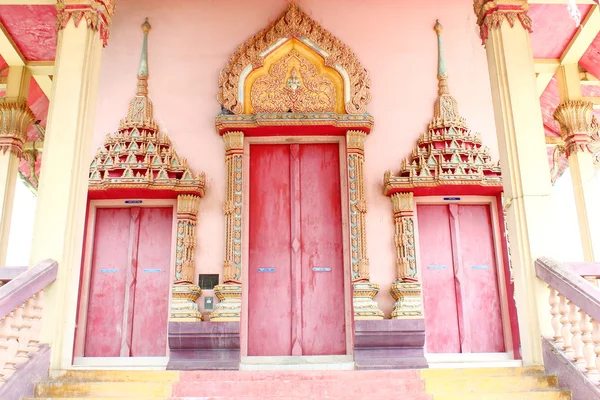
442, 73
140, 113
142, 88
445, 110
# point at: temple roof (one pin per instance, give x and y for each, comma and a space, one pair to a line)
448, 158
138, 156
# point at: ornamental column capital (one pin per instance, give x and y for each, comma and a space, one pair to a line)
97, 14
576, 127
403, 204
492, 13
15, 119
234, 141
355, 141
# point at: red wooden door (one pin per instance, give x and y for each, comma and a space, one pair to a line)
296, 297
459, 273
437, 272
323, 329
478, 258
152, 286
129, 286
269, 277
107, 285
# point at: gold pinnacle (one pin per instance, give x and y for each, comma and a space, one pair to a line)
146, 26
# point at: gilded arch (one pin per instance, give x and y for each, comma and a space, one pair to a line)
294, 25
293, 74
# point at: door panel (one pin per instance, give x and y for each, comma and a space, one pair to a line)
437, 271
269, 296
482, 305
152, 287
107, 283
321, 232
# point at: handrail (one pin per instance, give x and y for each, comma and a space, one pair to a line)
9, 273
24, 286
575, 309
21, 316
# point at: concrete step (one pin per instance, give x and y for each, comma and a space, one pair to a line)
485, 384
545, 395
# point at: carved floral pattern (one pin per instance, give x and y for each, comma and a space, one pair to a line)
577, 126
492, 13
97, 14
294, 23
15, 119
293, 85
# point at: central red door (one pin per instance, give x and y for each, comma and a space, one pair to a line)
128, 302
296, 279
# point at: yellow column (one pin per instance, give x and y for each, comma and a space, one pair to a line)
229, 293
62, 193
505, 28
575, 119
406, 290
363, 289
15, 118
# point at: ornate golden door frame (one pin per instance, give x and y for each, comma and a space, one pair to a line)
293, 78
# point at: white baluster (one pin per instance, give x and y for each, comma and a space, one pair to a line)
566, 326
38, 302
554, 301
10, 333
25, 332
596, 340
588, 346
576, 342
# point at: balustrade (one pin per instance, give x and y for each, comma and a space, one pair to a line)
575, 308
21, 304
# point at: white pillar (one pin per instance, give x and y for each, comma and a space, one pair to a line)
575, 119
505, 28
15, 119
62, 192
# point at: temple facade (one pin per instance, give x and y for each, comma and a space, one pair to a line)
273, 184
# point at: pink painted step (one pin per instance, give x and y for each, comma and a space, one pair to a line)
211, 376
302, 388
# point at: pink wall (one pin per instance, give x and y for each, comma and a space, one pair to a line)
191, 41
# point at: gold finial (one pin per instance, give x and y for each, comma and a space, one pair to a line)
146, 26
438, 28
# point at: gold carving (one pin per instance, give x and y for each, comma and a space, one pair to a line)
406, 290
293, 85
294, 23
576, 126
15, 119
449, 153
97, 14
408, 300
363, 290
226, 123
362, 298
183, 303
229, 307
187, 211
491, 13
230, 293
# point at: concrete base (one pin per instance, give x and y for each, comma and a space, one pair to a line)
204, 346
569, 376
21, 382
389, 344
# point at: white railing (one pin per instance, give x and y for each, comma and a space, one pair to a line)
21, 302
575, 309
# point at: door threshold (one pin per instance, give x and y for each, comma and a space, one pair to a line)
306, 363
472, 360
155, 363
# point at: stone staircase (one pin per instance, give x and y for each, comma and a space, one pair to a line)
432, 384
